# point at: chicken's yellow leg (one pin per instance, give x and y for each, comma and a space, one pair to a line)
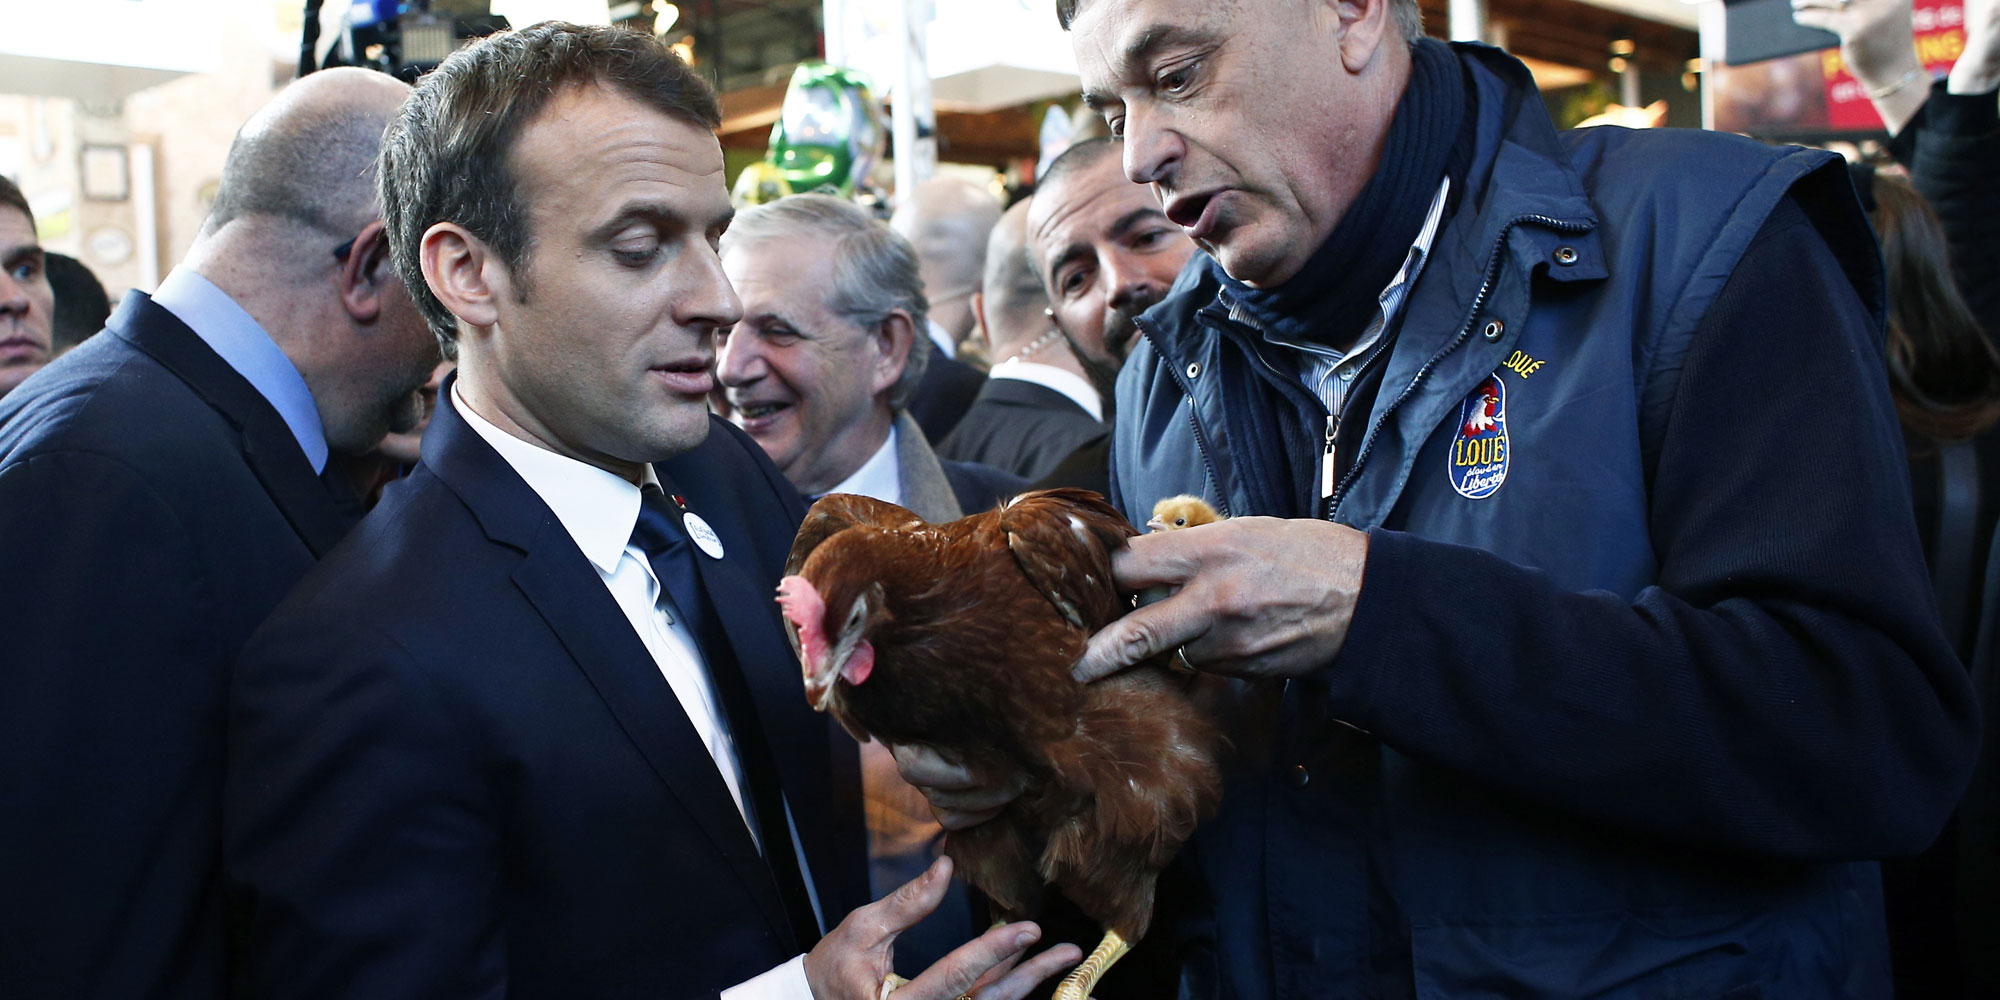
1078, 984
889, 985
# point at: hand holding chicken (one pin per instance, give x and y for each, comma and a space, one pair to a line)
1257, 597
853, 960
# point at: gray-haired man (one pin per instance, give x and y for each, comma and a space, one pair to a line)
822, 366
1573, 668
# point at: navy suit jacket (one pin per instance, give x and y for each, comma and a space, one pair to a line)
456, 771
153, 508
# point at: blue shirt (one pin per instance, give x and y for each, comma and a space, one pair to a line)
243, 345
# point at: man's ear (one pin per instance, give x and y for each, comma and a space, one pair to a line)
980, 334
362, 273
1365, 25
463, 273
893, 339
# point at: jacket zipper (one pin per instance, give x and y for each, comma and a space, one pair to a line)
1334, 420
1221, 318
1471, 317
1326, 458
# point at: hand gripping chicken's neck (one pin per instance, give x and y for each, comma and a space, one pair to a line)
846, 655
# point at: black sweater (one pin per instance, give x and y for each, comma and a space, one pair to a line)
1952, 149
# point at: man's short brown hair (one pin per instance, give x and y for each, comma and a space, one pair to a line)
447, 155
11, 197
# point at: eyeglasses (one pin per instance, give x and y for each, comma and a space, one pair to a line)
340, 252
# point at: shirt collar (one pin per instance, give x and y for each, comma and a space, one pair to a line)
941, 337
877, 477
1388, 302
232, 334
1077, 388
597, 508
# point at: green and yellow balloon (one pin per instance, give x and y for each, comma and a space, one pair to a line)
828, 137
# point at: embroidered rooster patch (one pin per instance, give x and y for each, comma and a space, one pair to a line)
1478, 459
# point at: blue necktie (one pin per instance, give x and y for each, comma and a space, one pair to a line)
659, 534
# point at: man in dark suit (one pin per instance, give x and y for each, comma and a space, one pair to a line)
1037, 406
158, 495
1106, 252
534, 730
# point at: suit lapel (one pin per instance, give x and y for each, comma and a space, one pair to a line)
269, 448
573, 602
558, 581
927, 493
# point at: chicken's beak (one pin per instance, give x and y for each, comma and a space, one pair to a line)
853, 659
819, 686
1156, 524
821, 672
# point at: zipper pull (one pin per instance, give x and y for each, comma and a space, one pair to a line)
1326, 458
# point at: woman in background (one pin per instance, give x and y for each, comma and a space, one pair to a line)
1944, 374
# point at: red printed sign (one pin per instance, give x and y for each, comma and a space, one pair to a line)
1940, 28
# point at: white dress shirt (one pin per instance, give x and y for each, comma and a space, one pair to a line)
878, 477
599, 510
941, 338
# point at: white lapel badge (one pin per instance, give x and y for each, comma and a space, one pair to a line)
704, 536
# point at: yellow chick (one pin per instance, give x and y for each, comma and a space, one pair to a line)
1184, 511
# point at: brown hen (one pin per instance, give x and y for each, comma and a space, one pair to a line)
960, 637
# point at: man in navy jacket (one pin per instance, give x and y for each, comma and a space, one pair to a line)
158, 495
1584, 639
534, 729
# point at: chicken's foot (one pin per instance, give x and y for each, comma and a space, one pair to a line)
889, 985
1078, 984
